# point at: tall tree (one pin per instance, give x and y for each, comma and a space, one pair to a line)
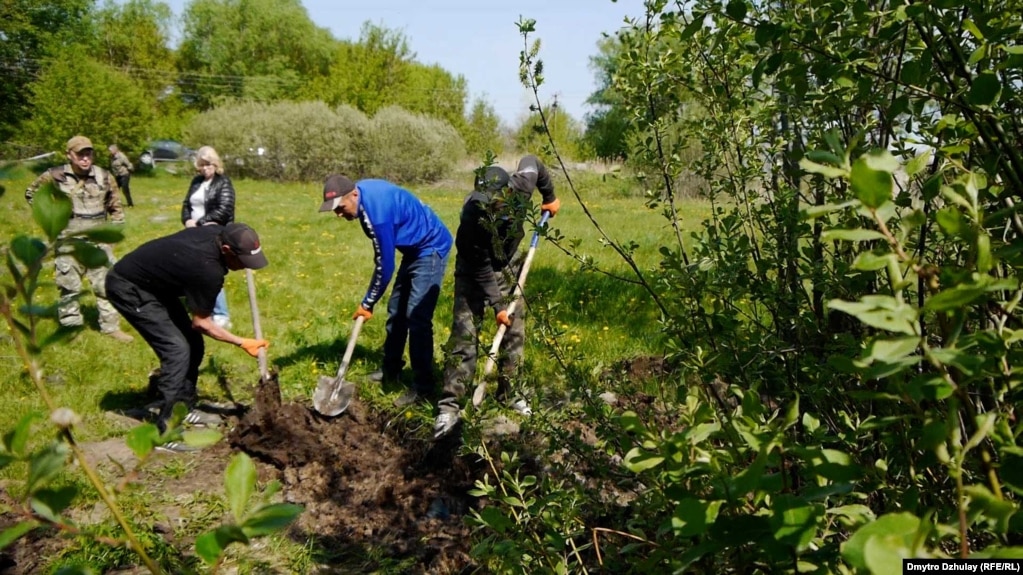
63, 105
31, 31
249, 49
134, 37
607, 128
483, 130
365, 74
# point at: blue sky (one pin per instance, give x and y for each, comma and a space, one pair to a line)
479, 40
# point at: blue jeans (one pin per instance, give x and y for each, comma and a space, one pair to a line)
410, 317
220, 306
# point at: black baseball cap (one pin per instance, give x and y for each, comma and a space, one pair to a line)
244, 242
493, 179
335, 188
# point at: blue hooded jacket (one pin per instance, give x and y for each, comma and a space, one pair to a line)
394, 219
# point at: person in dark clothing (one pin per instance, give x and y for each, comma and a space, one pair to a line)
146, 287
487, 265
395, 220
210, 200
121, 167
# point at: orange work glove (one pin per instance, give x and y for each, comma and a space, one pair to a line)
503, 319
362, 312
552, 207
251, 346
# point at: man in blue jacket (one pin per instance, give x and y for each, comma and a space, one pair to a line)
395, 220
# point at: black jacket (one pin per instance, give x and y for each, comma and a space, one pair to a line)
219, 201
491, 227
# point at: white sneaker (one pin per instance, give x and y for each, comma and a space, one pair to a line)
445, 423
223, 321
521, 407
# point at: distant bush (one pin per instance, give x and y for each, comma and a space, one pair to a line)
407, 147
304, 141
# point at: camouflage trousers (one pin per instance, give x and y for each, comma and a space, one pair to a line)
68, 274
463, 347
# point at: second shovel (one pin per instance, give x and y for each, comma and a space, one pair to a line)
334, 394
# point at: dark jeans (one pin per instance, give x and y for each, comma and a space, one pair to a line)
410, 317
166, 326
124, 182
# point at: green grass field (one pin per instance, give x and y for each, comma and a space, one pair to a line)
319, 269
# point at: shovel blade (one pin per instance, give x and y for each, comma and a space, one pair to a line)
332, 395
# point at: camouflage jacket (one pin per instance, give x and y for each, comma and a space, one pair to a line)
94, 196
120, 165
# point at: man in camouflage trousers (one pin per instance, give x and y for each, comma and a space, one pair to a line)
487, 266
122, 168
93, 194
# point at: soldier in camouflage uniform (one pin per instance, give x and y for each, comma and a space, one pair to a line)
122, 168
487, 265
93, 195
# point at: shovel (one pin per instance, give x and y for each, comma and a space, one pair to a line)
257, 328
333, 394
481, 387
268, 392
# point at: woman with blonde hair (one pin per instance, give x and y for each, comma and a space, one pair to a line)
210, 200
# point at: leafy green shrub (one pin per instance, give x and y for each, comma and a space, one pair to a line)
406, 147
71, 83
844, 333
303, 141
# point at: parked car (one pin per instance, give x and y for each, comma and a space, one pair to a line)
166, 151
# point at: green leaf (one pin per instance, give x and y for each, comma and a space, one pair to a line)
873, 261
50, 503
1010, 468
984, 260
823, 157
210, 545
692, 516
891, 349
857, 235
495, 519
736, 9
29, 251
201, 437
239, 483
965, 361
812, 212
929, 387
871, 178
142, 439
51, 209
918, 163
16, 440
90, 255
956, 297
951, 221
829, 172
45, 465
12, 534
984, 506
794, 521
882, 312
985, 90
271, 518
638, 460
892, 531
106, 234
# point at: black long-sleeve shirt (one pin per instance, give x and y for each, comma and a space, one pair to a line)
491, 227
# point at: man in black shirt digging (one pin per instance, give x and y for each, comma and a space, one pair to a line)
147, 286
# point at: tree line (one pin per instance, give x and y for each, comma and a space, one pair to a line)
115, 72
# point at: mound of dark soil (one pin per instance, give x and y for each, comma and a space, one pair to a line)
365, 492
